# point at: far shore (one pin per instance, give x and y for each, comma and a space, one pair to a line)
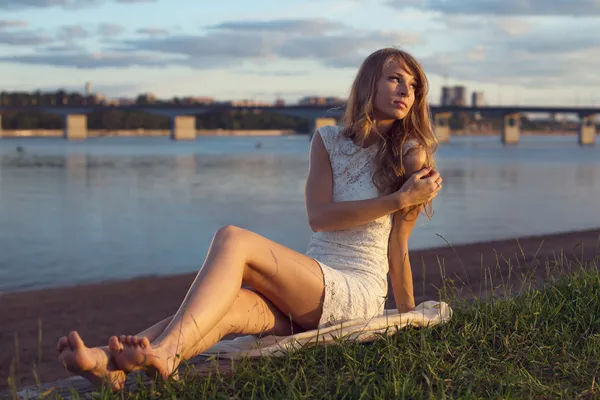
49, 133
31, 322
59, 133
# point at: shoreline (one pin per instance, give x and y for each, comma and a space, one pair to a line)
141, 133
413, 252
99, 310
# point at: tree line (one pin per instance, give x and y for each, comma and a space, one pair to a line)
131, 120
115, 119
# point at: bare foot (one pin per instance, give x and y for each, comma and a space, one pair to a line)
133, 353
93, 364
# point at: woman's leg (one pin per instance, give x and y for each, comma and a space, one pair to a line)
95, 363
251, 313
291, 281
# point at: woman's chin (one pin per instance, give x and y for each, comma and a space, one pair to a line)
400, 115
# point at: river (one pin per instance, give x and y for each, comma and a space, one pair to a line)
117, 208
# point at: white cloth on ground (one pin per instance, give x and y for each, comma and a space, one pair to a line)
426, 314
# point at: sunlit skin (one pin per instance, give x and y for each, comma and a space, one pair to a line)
279, 284
395, 95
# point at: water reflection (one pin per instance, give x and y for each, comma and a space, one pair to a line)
74, 212
586, 176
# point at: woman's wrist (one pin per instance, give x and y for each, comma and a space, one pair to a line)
401, 200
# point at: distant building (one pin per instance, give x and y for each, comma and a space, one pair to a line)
146, 98
321, 101
123, 101
88, 88
97, 98
453, 96
279, 102
477, 99
204, 100
447, 96
247, 103
460, 96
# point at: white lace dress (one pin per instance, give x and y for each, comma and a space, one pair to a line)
354, 261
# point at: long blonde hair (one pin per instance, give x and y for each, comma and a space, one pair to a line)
359, 118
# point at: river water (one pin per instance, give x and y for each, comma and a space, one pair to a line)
117, 208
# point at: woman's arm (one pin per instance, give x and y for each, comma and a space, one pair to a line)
400, 268
325, 215
402, 226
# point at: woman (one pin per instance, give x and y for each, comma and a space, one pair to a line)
365, 188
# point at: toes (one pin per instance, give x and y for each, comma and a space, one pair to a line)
63, 342
75, 341
123, 339
145, 342
130, 340
114, 345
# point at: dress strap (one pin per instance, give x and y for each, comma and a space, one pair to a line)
329, 135
409, 145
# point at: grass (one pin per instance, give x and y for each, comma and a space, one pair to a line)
542, 343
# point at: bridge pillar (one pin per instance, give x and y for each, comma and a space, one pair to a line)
319, 122
442, 126
183, 127
587, 130
511, 128
75, 127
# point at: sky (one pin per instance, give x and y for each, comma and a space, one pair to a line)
526, 52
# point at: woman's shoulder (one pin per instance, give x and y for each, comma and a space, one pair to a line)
329, 135
330, 130
410, 144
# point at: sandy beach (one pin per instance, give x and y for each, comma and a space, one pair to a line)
127, 307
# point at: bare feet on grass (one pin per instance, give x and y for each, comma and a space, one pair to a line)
93, 364
132, 353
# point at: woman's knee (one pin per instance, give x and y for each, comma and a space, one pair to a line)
230, 235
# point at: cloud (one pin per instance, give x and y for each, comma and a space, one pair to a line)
110, 30
512, 26
343, 50
503, 7
24, 38
7, 23
227, 44
84, 60
529, 52
66, 4
72, 32
301, 39
518, 67
490, 25
299, 26
231, 45
68, 47
279, 73
153, 31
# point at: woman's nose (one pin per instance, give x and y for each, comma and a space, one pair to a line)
402, 89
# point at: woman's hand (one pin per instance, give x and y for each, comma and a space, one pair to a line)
420, 188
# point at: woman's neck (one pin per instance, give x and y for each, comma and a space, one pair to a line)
382, 127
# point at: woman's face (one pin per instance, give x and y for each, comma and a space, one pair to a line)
395, 92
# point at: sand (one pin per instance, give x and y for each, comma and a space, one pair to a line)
100, 310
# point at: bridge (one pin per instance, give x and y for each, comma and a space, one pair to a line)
183, 117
